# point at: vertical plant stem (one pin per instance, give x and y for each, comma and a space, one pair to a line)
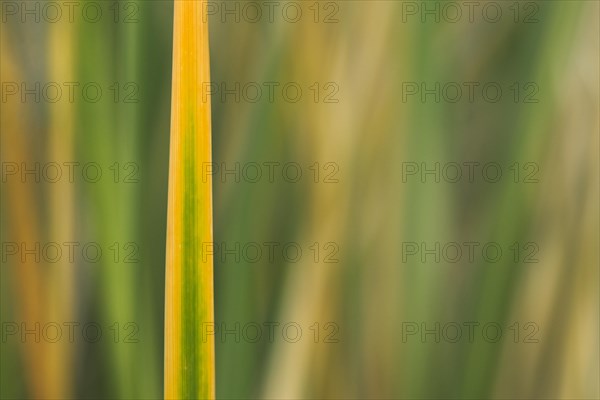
189, 355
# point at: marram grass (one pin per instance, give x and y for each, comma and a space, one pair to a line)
189, 357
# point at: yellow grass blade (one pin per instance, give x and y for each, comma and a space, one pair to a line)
189, 358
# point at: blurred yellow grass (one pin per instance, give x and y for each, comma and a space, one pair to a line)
47, 364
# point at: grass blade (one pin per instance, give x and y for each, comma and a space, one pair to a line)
189, 358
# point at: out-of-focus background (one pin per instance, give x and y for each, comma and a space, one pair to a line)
405, 198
